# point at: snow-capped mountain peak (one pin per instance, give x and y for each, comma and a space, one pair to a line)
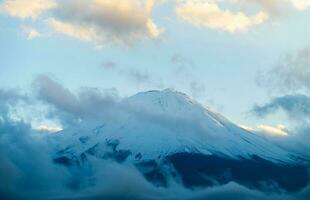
168, 101
160, 123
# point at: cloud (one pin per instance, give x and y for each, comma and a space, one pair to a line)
273, 7
106, 21
301, 4
109, 65
248, 128
55, 94
289, 77
76, 31
31, 32
46, 128
10, 95
224, 14
99, 21
296, 140
135, 76
278, 8
295, 106
197, 89
210, 15
138, 76
87, 103
181, 61
279, 130
25, 166
232, 191
183, 68
26, 8
290, 74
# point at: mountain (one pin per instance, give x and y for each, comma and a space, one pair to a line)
167, 136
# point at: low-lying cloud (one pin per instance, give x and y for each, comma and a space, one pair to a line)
296, 108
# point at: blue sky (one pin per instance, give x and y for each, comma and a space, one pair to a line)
216, 51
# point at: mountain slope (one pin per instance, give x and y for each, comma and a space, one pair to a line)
163, 132
165, 122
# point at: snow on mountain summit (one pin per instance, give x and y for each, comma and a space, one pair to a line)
160, 123
172, 103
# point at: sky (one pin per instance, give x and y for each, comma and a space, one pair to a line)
237, 57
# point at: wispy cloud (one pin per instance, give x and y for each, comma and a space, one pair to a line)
290, 74
75, 31
295, 106
31, 32
109, 65
84, 103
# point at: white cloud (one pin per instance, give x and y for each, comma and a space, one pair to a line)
31, 32
98, 21
301, 4
209, 14
247, 128
102, 21
278, 130
46, 128
76, 31
26, 8
279, 7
